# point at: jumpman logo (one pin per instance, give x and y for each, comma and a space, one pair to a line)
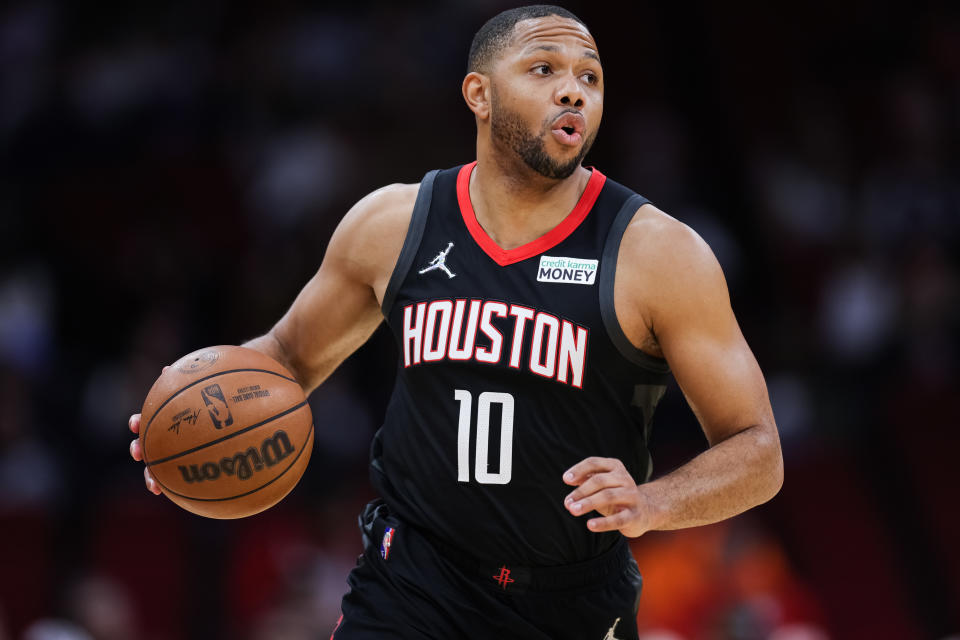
610, 635
440, 262
503, 579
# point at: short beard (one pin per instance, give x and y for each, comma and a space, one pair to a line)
508, 128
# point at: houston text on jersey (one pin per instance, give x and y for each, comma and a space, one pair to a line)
471, 330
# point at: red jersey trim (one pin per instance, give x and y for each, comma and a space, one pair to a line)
552, 238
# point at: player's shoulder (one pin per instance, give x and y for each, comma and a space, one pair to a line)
655, 229
389, 205
393, 196
383, 212
658, 244
370, 236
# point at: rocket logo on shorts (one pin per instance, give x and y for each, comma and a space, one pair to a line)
503, 578
387, 541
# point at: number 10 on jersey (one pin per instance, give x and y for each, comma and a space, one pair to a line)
482, 458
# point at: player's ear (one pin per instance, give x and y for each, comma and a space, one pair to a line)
476, 91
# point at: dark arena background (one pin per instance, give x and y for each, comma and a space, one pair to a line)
170, 174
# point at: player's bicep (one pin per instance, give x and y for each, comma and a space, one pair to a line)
721, 380
332, 316
696, 329
337, 309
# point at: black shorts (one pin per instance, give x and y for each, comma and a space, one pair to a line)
406, 586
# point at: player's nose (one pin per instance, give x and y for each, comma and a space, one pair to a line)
569, 93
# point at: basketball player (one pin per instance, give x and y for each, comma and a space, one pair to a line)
538, 308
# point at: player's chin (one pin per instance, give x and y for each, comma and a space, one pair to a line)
562, 157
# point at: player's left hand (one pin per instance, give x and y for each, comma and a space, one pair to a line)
605, 485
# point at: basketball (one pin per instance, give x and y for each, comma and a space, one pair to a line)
226, 432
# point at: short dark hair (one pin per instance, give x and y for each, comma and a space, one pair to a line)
495, 34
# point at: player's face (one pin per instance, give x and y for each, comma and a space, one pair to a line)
547, 95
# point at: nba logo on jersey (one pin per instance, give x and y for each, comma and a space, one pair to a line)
387, 541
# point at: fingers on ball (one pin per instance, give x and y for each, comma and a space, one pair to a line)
150, 482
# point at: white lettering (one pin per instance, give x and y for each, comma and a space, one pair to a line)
435, 346
546, 367
463, 434
447, 329
412, 334
573, 354
523, 314
455, 352
491, 355
482, 465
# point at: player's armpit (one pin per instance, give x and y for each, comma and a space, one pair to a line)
339, 307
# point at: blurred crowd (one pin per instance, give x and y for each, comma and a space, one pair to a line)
170, 174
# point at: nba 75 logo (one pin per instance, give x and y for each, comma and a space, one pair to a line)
217, 406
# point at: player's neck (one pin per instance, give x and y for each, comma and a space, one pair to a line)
516, 205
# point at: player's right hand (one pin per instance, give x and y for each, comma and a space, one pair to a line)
136, 451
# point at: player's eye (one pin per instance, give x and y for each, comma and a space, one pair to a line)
542, 69
591, 78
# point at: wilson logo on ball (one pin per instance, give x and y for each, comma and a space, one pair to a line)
242, 464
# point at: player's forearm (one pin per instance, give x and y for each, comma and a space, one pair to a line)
273, 347
739, 473
308, 374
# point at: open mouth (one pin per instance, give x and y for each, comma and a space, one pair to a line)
568, 129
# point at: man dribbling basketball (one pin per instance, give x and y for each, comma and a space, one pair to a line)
539, 308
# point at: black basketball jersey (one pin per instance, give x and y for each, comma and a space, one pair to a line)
512, 368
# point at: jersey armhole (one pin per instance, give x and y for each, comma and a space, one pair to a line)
608, 272
411, 243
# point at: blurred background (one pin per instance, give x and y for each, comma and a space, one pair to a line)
170, 174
